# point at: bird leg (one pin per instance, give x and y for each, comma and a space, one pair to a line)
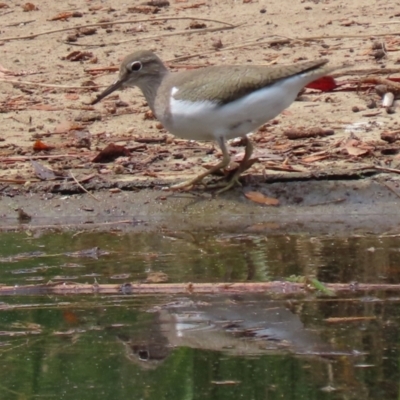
222, 164
242, 166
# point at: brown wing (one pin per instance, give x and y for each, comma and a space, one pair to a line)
223, 84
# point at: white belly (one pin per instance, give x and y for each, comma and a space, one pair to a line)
205, 120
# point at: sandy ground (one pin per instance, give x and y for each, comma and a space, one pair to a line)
38, 48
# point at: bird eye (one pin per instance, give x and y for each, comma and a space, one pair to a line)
136, 66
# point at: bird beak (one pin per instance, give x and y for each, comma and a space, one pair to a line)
118, 84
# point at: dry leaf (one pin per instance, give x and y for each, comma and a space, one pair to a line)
259, 198
67, 126
348, 23
29, 7
77, 55
143, 10
356, 148
355, 151
44, 107
110, 153
311, 159
301, 133
40, 146
156, 277
42, 172
70, 317
72, 96
157, 3
151, 174
62, 16
197, 25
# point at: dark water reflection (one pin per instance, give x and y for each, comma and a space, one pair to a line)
196, 257
208, 347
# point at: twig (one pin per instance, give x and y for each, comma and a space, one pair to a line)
49, 85
311, 38
196, 5
86, 191
28, 158
20, 23
370, 71
324, 203
7, 12
281, 41
151, 37
100, 24
385, 169
67, 226
386, 23
240, 46
391, 189
18, 181
391, 85
289, 168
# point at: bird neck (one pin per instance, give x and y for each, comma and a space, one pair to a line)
150, 89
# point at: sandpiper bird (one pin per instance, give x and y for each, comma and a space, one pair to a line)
215, 103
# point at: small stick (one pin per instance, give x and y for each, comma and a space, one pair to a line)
324, 203
21, 23
283, 41
385, 169
28, 158
240, 46
185, 32
391, 189
68, 226
311, 38
391, 85
5, 13
49, 85
150, 37
18, 181
100, 24
76, 181
386, 23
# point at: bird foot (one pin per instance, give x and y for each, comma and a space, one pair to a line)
184, 186
225, 186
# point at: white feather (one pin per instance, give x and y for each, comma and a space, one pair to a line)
206, 120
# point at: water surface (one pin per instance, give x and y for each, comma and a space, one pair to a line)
202, 347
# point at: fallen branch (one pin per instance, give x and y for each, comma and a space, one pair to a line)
140, 289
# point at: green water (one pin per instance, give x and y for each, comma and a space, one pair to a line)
123, 346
